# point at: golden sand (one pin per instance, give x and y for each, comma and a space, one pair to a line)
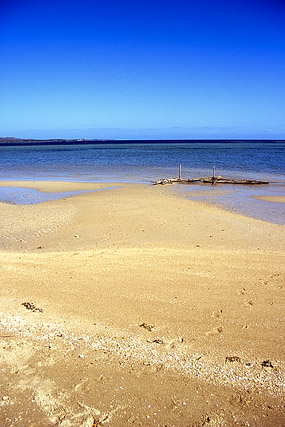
143, 308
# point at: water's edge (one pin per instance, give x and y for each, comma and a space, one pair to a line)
239, 199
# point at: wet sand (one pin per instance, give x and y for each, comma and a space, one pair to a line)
143, 308
273, 199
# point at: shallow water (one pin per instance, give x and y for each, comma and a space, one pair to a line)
240, 198
31, 196
144, 162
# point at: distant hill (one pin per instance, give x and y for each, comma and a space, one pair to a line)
10, 140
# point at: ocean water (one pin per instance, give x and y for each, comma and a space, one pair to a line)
142, 162
147, 161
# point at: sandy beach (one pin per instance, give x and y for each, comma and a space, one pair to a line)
133, 306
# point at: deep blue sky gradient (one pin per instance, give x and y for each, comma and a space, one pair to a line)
142, 69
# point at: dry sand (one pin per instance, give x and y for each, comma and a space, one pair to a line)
144, 309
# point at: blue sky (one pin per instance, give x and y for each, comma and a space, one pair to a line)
142, 69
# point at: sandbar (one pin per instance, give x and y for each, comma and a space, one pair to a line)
135, 306
273, 199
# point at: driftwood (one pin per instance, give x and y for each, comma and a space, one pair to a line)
210, 180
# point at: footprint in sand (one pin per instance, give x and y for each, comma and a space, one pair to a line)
214, 331
217, 313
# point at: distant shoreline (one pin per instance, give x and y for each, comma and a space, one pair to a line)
9, 141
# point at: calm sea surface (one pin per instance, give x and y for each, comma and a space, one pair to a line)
147, 161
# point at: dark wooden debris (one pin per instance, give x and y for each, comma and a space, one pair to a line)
233, 359
266, 364
210, 180
31, 306
147, 327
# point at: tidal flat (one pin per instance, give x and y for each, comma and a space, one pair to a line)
136, 306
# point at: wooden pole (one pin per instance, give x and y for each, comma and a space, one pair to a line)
179, 171
213, 178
